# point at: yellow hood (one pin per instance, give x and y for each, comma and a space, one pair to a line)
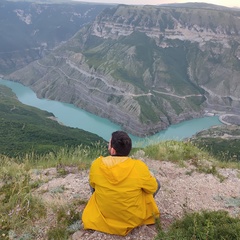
116, 169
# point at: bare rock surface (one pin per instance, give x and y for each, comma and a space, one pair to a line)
183, 189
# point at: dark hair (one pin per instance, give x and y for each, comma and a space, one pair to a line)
121, 142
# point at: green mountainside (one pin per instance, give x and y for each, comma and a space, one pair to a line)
221, 141
26, 129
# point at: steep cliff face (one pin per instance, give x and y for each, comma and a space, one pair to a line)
209, 40
146, 67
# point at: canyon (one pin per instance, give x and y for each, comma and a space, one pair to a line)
145, 67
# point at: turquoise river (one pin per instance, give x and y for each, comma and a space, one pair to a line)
72, 116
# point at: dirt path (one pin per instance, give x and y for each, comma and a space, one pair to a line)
182, 189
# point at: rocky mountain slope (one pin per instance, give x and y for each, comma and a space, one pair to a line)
29, 30
183, 190
146, 67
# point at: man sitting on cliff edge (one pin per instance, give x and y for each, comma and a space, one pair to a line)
123, 190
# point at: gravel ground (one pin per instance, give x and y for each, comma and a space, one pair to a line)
183, 189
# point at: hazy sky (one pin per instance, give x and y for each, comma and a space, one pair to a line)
228, 3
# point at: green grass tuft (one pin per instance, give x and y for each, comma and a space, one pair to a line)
174, 151
204, 225
18, 206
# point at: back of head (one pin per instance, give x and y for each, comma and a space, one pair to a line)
121, 142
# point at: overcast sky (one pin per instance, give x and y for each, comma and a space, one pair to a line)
228, 3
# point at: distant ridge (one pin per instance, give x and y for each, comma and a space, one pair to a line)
195, 5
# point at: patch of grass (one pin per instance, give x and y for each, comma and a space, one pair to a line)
57, 233
174, 151
207, 168
67, 222
226, 150
80, 156
59, 189
204, 225
180, 152
18, 207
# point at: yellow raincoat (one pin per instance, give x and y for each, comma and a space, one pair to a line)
123, 196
